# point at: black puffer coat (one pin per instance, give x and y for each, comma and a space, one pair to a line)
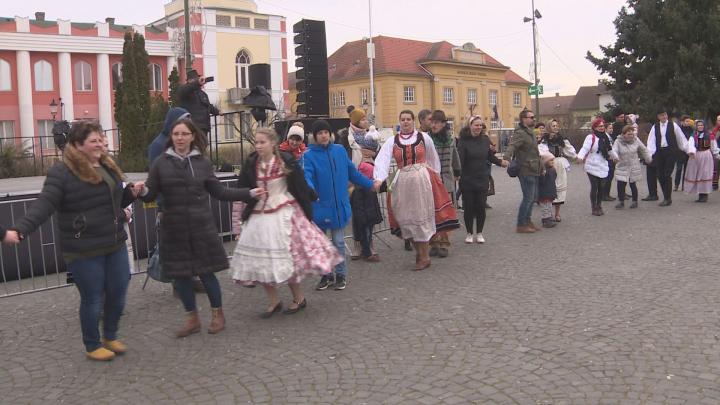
90, 214
189, 240
297, 186
474, 154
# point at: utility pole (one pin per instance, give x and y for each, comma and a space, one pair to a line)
537, 79
371, 56
188, 51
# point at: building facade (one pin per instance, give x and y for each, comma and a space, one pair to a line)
77, 64
416, 75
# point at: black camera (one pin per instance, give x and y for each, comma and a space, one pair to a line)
209, 79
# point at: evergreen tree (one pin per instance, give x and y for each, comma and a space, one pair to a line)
174, 80
128, 115
667, 54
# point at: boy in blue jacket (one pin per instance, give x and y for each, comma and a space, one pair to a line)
328, 171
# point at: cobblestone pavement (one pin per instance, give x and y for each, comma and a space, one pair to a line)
620, 309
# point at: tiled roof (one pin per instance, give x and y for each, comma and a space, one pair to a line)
555, 105
586, 98
397, 55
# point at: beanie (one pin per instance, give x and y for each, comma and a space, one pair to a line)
356, 116
296, 130
320, 125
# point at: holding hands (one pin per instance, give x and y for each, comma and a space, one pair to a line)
504, 163
259, 193
137, 188
376, 185
12, 238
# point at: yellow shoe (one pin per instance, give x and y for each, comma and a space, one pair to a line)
115, 346
101, 354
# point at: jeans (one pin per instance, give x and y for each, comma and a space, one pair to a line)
102, 282
184, 287
366, 234
529, 185
338, 239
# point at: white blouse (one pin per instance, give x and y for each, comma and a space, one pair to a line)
385, 157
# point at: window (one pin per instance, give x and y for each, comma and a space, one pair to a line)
7, 133
116, 74
409, 94
517, 98
242, 65
341, 98
472, 96
83, 76
364, 96
45, 134
261, 24
156, 77
5, 78
494, 124
43, 76
222, 20
334, 97
242, 22
448, 95
493, 98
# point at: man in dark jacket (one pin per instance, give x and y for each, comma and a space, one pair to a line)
524, 148
196, 102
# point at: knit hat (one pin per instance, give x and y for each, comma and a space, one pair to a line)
296, 130
320, 125
597, 122
546, 157
356, 116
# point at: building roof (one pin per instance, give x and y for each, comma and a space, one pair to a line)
586, 98
556, 105
399, 55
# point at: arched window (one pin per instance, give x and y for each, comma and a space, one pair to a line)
5, 83
43, 76
83, 76
116, 74
156, 77
242, 64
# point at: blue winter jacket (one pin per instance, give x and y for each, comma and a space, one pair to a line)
328, 171
157, 146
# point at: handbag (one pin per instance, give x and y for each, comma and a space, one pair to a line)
491, 186
513, 169
154, 269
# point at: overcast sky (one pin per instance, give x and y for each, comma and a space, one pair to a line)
568, 28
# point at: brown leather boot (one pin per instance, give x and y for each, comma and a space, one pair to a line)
218, 321
191, 326
524, 229
423, 261
533, 226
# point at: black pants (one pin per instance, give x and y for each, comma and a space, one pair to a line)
680, 168
664, 162
596, 188
474, 206
607, 185
621, 190
651, 174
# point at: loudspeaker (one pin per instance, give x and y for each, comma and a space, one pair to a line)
312, 73
336, 124
259, 75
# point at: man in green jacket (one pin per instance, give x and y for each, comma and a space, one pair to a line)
523, 147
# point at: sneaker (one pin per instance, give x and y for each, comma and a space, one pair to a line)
443, 252
325, 282
469, 238
408, 245
634, 204
548, 223
479, 238
434, 252
340, 283
620, 205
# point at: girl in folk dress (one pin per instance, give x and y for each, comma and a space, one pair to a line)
703, 150
564, 152
279, 243
628, 151
418, 204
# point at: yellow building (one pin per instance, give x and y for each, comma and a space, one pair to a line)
227, 37
416, 75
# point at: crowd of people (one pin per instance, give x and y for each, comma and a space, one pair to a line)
299, 194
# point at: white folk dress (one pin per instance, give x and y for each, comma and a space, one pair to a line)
278, 243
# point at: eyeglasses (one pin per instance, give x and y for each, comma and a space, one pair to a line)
182, 134
530, 117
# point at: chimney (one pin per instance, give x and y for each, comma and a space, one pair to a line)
40, 16
557, 94
110, 20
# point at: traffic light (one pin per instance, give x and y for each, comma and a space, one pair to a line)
312, 74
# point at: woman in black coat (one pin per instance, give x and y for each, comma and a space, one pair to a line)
474, 148
189, 241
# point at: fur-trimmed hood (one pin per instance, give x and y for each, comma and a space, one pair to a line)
81, 167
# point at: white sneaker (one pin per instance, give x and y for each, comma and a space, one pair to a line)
479, 238
469, 238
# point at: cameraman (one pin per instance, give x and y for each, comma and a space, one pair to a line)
196, 102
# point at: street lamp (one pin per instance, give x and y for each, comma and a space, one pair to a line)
535, 15
53, 109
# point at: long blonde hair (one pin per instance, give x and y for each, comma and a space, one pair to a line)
274, 138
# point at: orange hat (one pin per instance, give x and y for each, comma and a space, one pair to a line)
356, 116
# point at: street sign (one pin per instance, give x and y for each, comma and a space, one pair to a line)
535, 90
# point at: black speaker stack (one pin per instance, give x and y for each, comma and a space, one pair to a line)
312, 74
